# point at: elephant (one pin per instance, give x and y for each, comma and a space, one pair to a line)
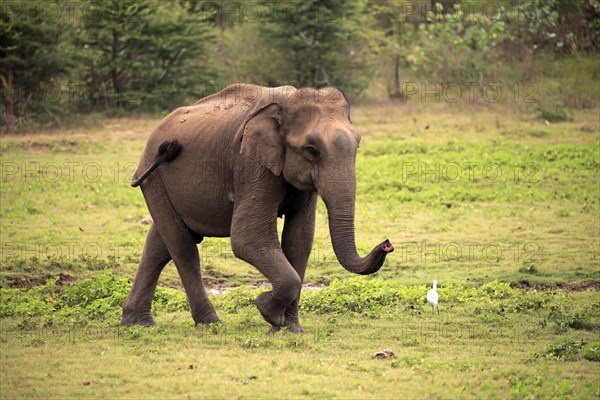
231, 164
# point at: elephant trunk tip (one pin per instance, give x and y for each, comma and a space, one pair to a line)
374, 261
387, 246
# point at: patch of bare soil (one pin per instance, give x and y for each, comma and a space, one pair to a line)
579, 286
41, 146
574, 286
26, 282
212, 277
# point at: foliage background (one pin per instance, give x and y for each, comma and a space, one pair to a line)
63, 59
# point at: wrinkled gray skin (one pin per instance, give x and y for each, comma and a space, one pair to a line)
250, 154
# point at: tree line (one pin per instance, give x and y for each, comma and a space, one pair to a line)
59, 58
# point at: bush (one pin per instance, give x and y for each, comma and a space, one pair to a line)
97, 297
528, 267
102, 296
565, 318
563, 350
452, 48
497, 290
237, 298
361, 295
374, 296
555, 113
591, 352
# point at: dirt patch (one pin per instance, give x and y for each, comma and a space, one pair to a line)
579, 286
36, 145
224, 288
26, 282
64, 145
575, 286
213, 277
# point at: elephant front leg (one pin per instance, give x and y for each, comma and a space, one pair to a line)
297, 241
291, 319
269, 259
254, 240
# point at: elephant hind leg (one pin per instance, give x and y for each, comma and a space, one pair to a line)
181, 245
136, 309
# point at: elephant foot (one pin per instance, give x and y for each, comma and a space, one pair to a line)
207, 319
274, 329
272, 310
291, 322
132, 318
295, 327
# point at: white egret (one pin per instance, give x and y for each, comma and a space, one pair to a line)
432, 297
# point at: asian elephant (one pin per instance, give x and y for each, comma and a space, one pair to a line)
230, 165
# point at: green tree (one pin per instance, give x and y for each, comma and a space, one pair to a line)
433, 43
32, 58
555, 26
321, 41
393, 30
454, 46
135, 55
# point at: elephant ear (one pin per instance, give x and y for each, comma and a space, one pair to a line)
262, 138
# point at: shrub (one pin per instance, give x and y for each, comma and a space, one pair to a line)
101, 295
555, 113
497, 290
361, 295
374, 296
565, 318
591, 352
563, 350
529, 267
237, 298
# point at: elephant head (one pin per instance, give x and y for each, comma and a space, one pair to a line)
309, 139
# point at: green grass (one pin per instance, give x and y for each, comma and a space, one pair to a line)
484, 200
516, 196
487, 342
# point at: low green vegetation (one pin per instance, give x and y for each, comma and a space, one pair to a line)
555, 113
67, 339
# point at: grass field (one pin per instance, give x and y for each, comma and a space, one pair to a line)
497, 205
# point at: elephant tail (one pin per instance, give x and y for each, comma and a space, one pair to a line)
167, 152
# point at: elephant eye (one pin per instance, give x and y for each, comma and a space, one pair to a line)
311, 151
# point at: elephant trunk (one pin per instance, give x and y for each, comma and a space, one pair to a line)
339, 197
